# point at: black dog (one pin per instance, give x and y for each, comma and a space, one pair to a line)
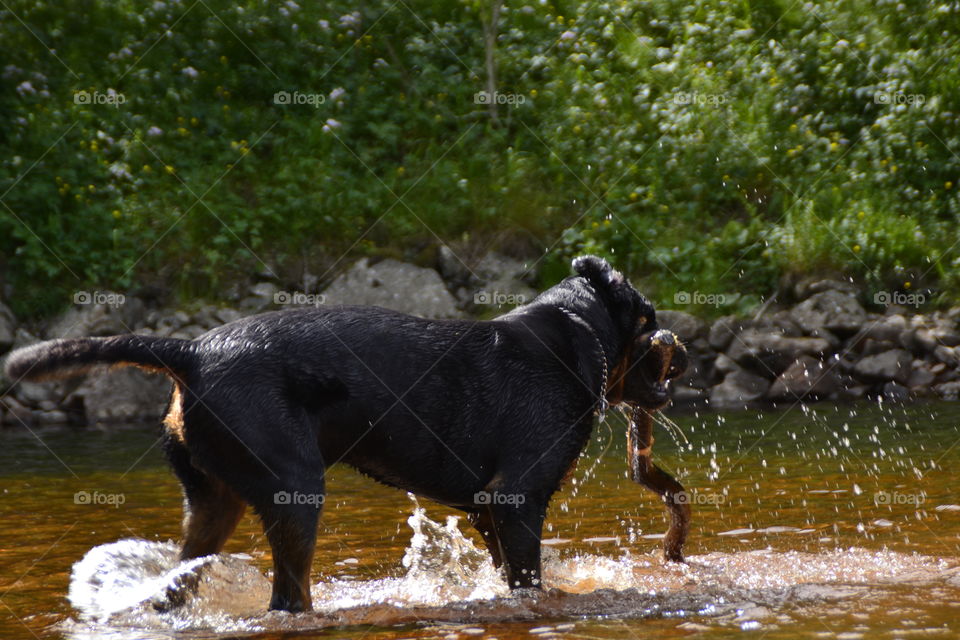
486, 417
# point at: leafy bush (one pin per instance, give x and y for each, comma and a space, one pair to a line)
705, 145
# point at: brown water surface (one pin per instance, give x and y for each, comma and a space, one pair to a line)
831, 522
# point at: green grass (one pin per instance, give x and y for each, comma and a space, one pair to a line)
704, 146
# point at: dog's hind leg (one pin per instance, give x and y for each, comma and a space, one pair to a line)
211, 510
291, 527
518, 529
483, 522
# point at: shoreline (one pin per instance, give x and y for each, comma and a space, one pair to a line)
824, 347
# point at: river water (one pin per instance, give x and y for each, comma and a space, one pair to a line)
824, 522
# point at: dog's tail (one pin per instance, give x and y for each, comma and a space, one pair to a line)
57, 359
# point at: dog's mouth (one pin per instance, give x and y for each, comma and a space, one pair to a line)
657, 357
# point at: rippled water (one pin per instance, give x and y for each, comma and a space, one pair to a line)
826, 522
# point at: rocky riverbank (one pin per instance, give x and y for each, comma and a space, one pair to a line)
825, 346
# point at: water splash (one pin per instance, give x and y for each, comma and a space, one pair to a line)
136, 588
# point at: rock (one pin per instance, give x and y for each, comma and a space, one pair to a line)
947, 355
722, 331
895, 391
948, 390
687, 327
263, 295
921, 376
806, 378
115, 314
394, 285
226, 315
495, 266
54, 416
738, 389
886, 329
810, 286
15, 413
838, 312
121, 395
831, 338
871, 347
452, 268
895, 364
769, 354
8, 328
725, 364
685, 395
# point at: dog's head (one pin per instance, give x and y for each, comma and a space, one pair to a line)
650, 357
642, 378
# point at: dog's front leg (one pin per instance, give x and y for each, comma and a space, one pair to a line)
518, 528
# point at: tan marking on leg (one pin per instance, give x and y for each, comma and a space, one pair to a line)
173, 421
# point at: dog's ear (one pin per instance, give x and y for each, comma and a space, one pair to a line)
597, 271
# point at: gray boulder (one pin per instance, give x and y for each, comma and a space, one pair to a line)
722, 331
8, 328
810, 286
92, 318
687, 327
769, 354
807, 378
832, 310
896, 364
121, 395
739, 389
394, 285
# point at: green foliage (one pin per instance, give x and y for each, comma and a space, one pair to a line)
705, 146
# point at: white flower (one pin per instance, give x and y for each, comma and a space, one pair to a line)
190, 72
25, 88
153, 132
568, 35
331, 125
337, 93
